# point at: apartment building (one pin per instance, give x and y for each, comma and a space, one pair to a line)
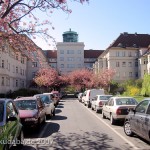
127, 55
70, 54
12, 67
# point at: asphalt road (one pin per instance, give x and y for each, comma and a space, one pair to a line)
78, 127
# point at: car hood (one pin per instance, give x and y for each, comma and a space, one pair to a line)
27, 113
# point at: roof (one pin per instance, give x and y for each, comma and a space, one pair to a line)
92, 53
131, 40
50, 53
25, 98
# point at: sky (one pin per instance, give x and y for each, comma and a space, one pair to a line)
100, 22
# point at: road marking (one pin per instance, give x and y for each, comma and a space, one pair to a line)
126, 140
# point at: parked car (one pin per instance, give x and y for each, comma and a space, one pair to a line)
80, 97
54, 98
99, 101
138, 120
88, 95
56, 95
11, 129
117, 108
49, 104
32, 111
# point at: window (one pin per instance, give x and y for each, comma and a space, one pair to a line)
136, 74
70, 51
79, 51
145, 61
142, 107
130, 54
16, 69
16, 56
3, 64
123, 54
123, 64
130, 64
61, 51
62, 65
22, 60
136, 64
61, 58
70, 65
117, 54
2, 81
130, 74
70, 59
117, 64
16, 83
34, 64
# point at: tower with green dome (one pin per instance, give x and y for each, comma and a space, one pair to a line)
70, 36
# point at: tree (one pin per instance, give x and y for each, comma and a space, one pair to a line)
20, 17
47, 78
146, 85
81, 79
104, 78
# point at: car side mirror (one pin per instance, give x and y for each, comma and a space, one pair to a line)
11, 118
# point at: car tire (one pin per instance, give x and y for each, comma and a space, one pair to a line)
54, 112
112, 120
127, 128
92, 107
103, 116
20, 139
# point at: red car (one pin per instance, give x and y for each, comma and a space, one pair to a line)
31, 110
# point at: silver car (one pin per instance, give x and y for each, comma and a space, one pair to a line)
117, 108
49, 104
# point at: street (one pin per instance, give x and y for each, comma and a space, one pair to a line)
77, 127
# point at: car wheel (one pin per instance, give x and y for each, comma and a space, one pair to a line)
112, 120
127, 129
20, 139
103, 116
92, 107
54, 112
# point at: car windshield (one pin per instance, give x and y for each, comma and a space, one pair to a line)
104, 97
45, 99
26, 104
1, 111
126, 101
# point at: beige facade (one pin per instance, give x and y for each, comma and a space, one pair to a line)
37, 61
12, 69
70, 56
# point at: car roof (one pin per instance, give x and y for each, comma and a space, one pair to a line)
25, 98
122, 97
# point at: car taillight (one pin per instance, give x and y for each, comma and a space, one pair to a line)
118, 112
100, 103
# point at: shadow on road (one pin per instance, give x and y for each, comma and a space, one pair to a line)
48, 129
60, 106
58, 117
87, 141
57, 111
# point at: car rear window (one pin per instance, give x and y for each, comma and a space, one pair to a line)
45, 99
1, 111
126, 101
104, 97
26, 104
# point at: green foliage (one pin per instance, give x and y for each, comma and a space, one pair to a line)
23, 92
146, 85
70, 89
132, 90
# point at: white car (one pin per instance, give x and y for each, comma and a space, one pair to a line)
88, 95
99, 101
49, 104
117, 108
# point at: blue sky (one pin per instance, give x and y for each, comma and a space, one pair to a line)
100, 22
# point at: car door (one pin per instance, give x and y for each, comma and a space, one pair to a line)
146, 123
107, 107
94, 99
137, 120
11, 126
